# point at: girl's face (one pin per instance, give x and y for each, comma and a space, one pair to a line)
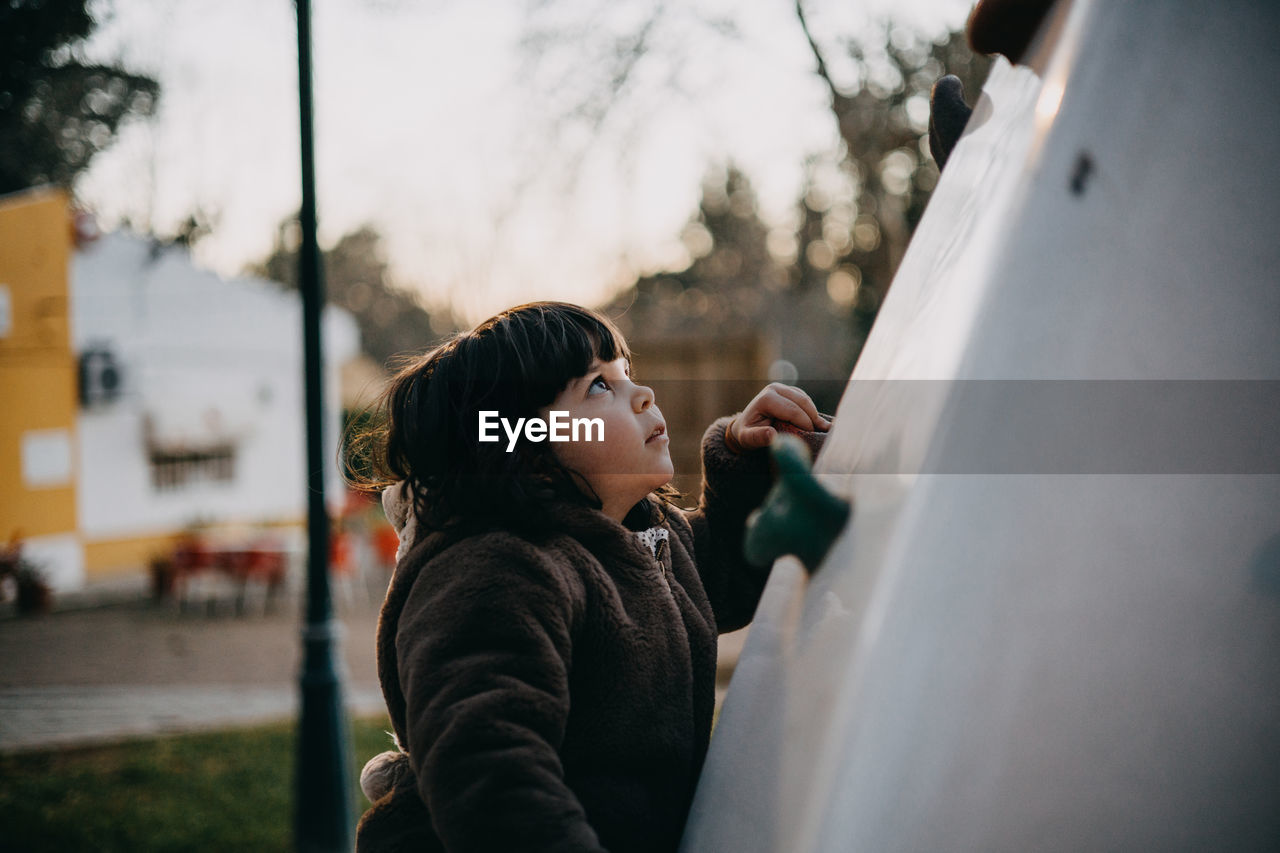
632, 458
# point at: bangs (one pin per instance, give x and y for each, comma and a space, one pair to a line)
552, 343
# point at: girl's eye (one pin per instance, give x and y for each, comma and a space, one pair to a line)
598, 383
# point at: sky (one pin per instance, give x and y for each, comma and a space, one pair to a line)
438, 124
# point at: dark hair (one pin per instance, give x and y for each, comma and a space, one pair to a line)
428, 432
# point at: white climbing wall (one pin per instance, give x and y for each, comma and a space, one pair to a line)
1053, 622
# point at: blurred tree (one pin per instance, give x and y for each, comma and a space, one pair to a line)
391, 320
741, 280
197, 225
56, 110
587, 57
722, 288
855, 229
860, 203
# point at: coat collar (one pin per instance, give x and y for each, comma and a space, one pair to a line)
604, 536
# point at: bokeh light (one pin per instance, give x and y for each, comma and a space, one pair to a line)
842, 285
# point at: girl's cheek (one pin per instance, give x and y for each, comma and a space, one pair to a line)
571, 454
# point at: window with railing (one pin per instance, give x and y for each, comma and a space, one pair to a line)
177, 469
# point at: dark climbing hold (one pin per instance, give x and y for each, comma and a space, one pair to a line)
948, 115
799, 516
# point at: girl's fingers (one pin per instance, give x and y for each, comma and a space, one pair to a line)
777, 402
757, 436
775, 405
755, 415
806, 403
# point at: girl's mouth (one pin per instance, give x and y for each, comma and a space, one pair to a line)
659, 434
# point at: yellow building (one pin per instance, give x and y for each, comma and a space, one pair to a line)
38, 383
141, 396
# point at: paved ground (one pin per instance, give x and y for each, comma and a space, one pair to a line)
111, 672
106, 673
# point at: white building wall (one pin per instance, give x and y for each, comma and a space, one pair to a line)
204, 362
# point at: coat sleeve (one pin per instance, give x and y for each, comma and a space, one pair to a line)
733, 484
484, 648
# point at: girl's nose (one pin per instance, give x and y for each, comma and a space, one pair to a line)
643, 397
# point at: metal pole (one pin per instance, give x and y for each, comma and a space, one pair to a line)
322, 813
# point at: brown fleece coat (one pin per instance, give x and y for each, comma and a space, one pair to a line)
556, 695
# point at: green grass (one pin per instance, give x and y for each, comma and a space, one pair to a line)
225, 790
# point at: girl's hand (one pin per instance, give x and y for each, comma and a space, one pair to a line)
777, 402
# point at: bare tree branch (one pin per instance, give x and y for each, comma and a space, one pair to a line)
836, 97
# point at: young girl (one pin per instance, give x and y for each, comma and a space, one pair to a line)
547, 647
